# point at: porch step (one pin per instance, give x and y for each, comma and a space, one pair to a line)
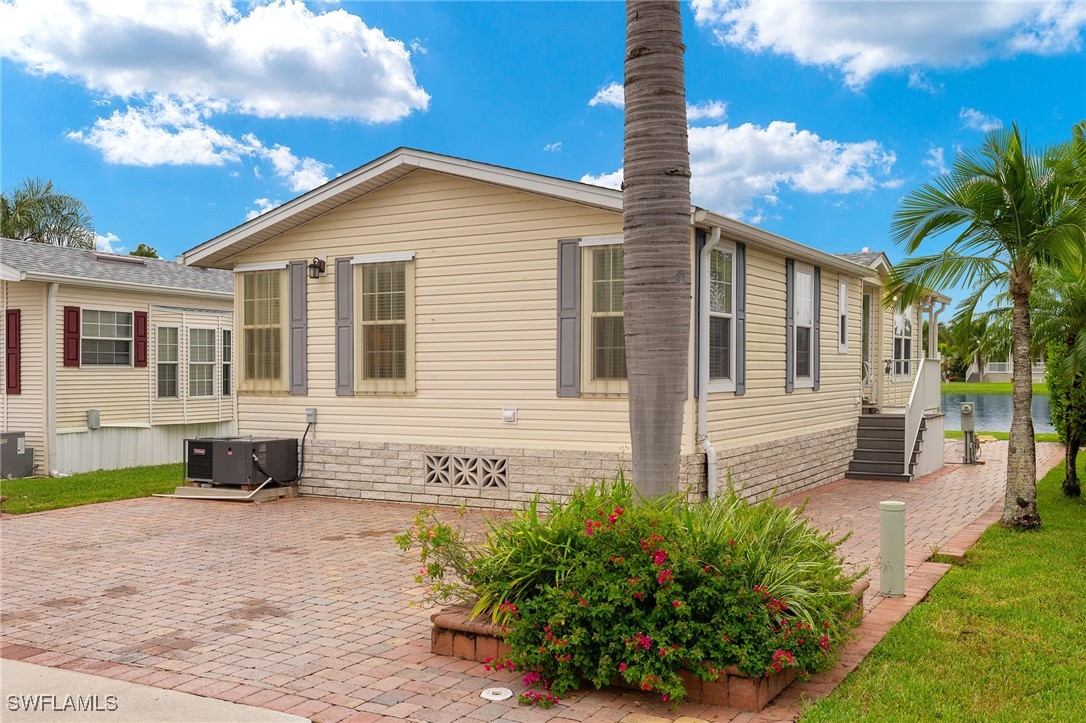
863, 466
882, 477
880, 446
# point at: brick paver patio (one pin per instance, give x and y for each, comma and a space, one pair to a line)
303, 605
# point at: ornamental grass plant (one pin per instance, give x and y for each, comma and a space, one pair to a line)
607, 587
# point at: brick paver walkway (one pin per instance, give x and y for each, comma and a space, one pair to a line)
303, 605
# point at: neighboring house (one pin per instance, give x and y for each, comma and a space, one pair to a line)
1002, 370
146, 343
457, 328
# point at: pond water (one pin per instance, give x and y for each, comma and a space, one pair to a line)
993, 412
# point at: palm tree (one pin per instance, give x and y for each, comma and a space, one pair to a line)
656, 232
35, 212
1059, 315
1012, 210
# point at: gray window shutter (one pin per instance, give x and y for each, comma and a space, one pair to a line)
740, 319
569, 322
816, 334
344, 328
789, 325
297, 275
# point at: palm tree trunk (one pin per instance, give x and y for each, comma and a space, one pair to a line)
1020, 505
657, 241
1070, 478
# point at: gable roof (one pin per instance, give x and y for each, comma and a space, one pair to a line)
398, 163
31, 261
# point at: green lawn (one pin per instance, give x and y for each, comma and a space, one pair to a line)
35, 494
1039, 436
999, 639
987, 388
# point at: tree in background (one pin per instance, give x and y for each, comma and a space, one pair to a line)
1012, 209
33, 211
656, 240
147, 252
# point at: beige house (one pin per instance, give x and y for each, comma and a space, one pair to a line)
111, 361
457, 330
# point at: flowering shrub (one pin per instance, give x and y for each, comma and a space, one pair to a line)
605, 587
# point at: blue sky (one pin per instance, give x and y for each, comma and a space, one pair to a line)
174, 121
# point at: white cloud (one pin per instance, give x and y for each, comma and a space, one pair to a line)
169, 131
975, 120
733, 169
936, 160
863, 39
555, 147
110, 243
919, 81
610, 94
418, 48
274, 59
707, 110
261, 207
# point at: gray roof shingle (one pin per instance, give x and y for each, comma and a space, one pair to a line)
59, 261
866, 258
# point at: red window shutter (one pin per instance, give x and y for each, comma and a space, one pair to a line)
13, 357
139, 333
71, 336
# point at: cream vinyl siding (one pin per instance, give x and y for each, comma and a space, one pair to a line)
25, 412
766, 412
126, 395
485, 313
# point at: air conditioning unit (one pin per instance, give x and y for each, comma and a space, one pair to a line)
16, 459
241, 460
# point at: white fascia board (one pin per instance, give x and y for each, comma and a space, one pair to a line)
9, 274
738, 231
262, 266
126, 286
383, 258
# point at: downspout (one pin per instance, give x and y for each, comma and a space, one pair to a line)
51, 379
933, 330
703, 362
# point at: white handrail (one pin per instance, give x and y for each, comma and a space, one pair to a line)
923, 397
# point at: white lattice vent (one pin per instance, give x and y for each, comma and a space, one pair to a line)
453, 470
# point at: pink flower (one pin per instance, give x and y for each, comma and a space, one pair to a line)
659, 557
676, 603
622, 667
531, 678
664, 577
824, 643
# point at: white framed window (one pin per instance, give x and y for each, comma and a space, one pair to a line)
603, 331
903, 342
262, 317
722, 319
106, 338
201, 362
386, 317
803, 325
167, 357
842, 314
227, 362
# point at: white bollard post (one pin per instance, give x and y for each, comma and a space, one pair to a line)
892, 548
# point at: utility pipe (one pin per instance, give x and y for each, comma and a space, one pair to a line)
703, 362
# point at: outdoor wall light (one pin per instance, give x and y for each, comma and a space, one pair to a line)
316, 268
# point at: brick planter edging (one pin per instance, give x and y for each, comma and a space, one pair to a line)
455, 634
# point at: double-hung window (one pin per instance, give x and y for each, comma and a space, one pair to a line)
803, 317
227, 361
166, 355
106, 338
903, 342
262, 327
386, 338
604, 331
201, 362
722, 319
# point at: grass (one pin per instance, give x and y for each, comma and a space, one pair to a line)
1039, 436
36, 494
999, 639
987, 388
